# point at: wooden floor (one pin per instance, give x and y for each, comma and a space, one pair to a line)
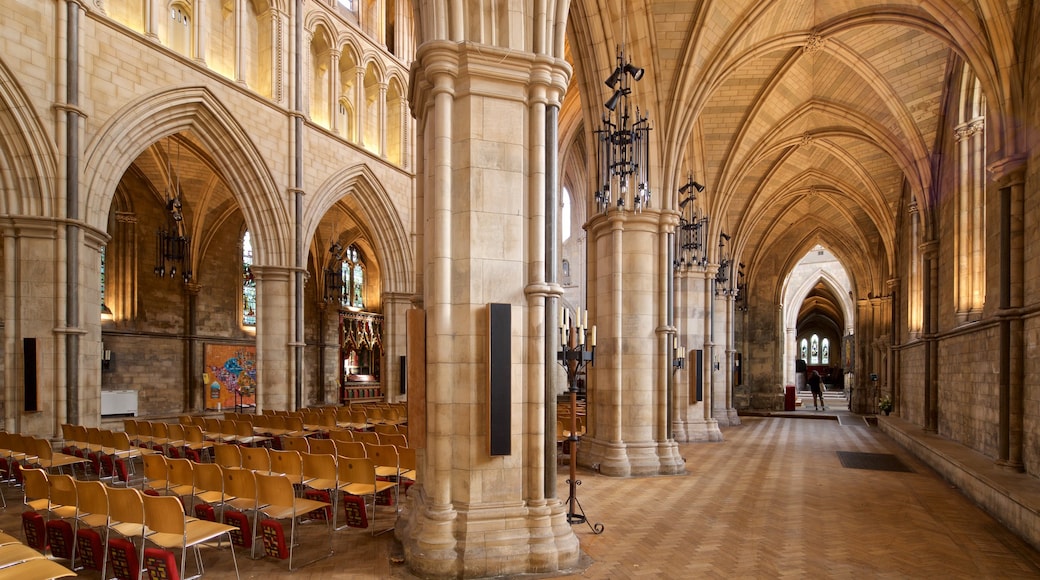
771, 501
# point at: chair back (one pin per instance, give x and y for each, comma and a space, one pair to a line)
227, 455
294, 423
62, 489
406, 458
164, 514
341, 435
182, 472
243, 429
92, 498
320, 467
130, 427
208, 477
125, 506
350, 449
175, 431
357, 470
193, 434
383, 456
240, 484
287, 462
366, 436
327, 446
156, 467
42, 449
34, 484
301, 444
274, 490
256, 458
395, 439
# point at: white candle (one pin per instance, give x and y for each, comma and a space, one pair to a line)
592, 340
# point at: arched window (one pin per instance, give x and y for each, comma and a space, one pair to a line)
825, 351
970, 228
248, 282
814, 353
179, 33
565, 215
353, 271
805, 350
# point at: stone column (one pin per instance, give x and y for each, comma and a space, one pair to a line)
929, 308
334, 55
625, 300
476, 514
274, 338
395, 305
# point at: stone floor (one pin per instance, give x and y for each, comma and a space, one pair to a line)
771, 501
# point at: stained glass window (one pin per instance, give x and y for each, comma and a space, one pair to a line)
353, 276
825, 351
805, 349
814, 354
248, 282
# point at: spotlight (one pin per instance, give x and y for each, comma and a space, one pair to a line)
635, 71
693, 184
613, 101
615, 76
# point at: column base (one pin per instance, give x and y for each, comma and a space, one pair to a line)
698, 431
485, 540
635, 459
726, 417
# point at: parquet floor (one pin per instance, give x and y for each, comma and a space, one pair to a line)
771, 501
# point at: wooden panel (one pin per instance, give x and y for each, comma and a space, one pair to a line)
698, 377
500, 387
416, 362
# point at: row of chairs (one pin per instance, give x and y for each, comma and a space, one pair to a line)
364, 471
20, 562
266, 493
134, 516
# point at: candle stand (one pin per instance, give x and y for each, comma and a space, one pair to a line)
577, 350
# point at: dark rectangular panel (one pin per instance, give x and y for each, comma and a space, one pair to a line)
29, 373
404, 375
698, 375
499, 379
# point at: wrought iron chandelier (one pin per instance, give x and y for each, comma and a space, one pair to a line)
172, 244
722, 276
624, 145
690, 249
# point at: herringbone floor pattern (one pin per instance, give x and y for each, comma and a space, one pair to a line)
771, 501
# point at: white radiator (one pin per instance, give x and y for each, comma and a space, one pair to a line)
119, 403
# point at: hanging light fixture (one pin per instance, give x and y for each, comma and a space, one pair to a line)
690, 249
172, 244
624, 145
334, 275
722, 277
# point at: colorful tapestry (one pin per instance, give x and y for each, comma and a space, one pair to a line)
230, 376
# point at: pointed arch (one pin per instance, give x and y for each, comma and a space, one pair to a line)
136, 126
28, 158
392, 248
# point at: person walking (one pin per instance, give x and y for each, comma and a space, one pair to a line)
817, 390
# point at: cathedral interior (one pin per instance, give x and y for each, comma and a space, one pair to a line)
275, 205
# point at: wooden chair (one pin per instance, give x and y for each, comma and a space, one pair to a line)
182, 477
256, 458
195, 439
387, 465
20, 562
322, 474
126, 517
156, 472
164, 516
395, 439
209, 485
239, 489
326, 446
35, 489
341, 435
289, 464
350, 449
366, 436
406, 457
301, 444
361, 474
92, 511
246, 436
275, 495
227, 455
